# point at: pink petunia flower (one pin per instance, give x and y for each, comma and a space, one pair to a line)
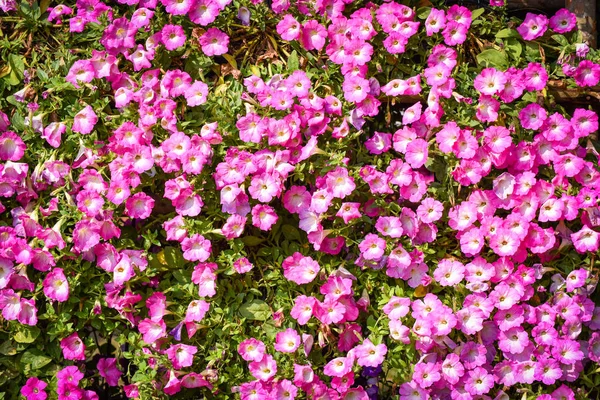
151, 330
72, 347
372, 247
85, 120
34, 389
370, 355
264, 369
12, 147
300, 269
56, 286
313, 35
533, 27
338, 367
214, 42
563, 21
303, 308
287, 341
107, 368
252, 349
139, 205
181, 355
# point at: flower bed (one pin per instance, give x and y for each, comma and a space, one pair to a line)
328, 200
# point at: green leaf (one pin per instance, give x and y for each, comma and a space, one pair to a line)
17, 69
423, 12
507, 33
514, 48
8, 348
290, 232
293, 64
231, 60
493, 58
35, 358
255, 310
561, 40
172, 257
27, 334
477, 13
252, 240
18, 122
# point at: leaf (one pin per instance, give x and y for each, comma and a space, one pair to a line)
493, 58
477, 13
423, 12
35, 358
172, 257
256, 310
4, 70
44, 4
230, 60
290, 232
514, 48
507, 33
16, 68
252, 240
561, 40
293, 64
27, 334
17, 65
8, 348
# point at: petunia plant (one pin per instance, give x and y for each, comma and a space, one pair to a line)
335, 199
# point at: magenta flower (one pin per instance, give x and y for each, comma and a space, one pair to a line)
214, 42
338, 367
196, 248
426, 374
264, 369
313, 35
490, 81
563, 21
172, 36
587, 74
252, 349
81, 71
85, 120
479, 381
204, 12
242, 265
196, 94
416, 153
264, 217
533, 27
287, 341
28, 312
34, 389
300, 269
139, 205
586, 240
72, 347
181, 355
152, 331
53, 133
372, 247
289, 28
303, 309
370, 355
107, 368
12, 147
56, 286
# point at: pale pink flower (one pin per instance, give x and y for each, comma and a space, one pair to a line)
181, 355
287, 341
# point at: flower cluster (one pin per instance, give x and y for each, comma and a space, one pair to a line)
447, 244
